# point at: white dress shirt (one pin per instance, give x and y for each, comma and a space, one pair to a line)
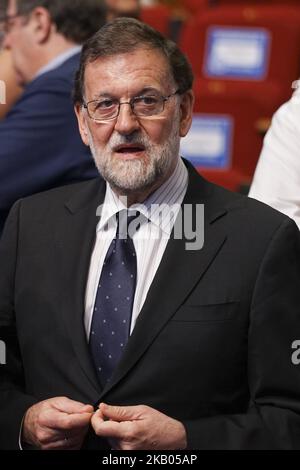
277, 176
150, 240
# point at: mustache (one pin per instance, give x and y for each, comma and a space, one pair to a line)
134, 138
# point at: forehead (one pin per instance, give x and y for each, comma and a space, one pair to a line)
128, 72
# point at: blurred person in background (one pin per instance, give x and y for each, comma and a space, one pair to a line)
40, 147
7, 74
8, 77
277, 176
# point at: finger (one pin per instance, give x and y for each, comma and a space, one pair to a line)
47, 436
109, 428
51, 436
55, 437
97, 419
67, 422
99, 415
71, 406
121, 413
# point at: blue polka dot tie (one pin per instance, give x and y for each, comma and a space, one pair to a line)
114, 300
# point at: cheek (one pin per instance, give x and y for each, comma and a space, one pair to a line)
26, 44
22, 50
101, 133
15, 43
159, 130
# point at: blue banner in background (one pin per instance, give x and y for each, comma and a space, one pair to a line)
238, 53
209, 141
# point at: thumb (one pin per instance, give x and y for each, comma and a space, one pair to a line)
69, 406
118, 413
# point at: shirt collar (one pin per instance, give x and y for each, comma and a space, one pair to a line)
59, 60
165, 201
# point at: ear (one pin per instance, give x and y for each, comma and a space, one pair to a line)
41, 23
186, 112
82, 123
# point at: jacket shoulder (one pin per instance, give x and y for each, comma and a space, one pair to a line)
82, 191
242, 210
249, 212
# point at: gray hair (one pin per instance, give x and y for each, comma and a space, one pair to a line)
124, 35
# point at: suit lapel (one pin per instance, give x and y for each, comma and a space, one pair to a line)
77, 240
180, 270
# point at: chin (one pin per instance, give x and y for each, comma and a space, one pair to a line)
135, 188
136, 174
132, 185
129, 176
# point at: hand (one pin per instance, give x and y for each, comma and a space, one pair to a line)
138, 428
58, 423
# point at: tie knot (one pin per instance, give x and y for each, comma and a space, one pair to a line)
128, 223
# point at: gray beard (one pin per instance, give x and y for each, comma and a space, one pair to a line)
136, 175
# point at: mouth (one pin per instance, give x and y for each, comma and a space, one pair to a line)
129, 149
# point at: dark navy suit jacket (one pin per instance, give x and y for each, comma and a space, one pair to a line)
40, 145
212, 345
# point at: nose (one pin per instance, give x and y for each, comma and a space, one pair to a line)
126, 122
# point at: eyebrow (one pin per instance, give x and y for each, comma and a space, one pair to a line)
141, 92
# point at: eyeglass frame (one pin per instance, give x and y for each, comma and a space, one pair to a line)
4, 29
131, 103
6, 18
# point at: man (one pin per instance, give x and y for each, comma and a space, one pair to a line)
175, 346
40, 148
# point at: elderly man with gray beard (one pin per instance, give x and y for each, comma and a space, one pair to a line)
135, 338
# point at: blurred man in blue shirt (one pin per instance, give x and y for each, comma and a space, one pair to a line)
40, 147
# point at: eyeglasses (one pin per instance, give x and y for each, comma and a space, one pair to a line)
7, 22
142, 106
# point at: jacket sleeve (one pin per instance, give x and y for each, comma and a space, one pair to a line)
272, 420
13, 398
